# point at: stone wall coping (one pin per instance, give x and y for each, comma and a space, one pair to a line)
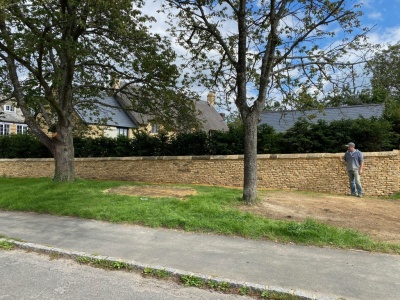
393, 153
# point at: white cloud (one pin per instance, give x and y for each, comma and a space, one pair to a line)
375, 16
385, 36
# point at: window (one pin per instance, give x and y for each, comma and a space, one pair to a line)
22, 129
4, 129
9, 108
154, 128
122, 131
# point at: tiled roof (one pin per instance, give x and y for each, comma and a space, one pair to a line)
210, 119
126, 104
106, 111
15, 116
283, 120
11, 118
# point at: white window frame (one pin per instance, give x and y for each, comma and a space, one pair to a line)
154, 128
4, 129
9, 108
22, 129
122, 131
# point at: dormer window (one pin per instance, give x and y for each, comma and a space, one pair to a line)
9, 108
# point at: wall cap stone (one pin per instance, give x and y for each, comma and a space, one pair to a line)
393, 153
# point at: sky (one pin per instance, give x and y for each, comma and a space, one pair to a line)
383, 16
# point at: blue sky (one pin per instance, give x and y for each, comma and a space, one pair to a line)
385, 15
382, 15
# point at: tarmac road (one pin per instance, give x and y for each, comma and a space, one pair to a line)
319, 273
33, 276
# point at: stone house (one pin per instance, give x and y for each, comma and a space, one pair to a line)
11, 119
108, 116
209, 119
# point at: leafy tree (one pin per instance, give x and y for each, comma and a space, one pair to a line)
56, 55
347, 96
385, 82
253, 50
385, 69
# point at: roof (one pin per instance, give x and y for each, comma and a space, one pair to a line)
15, 116
283, 120
11, 118
210, 119
126, 104
107, 111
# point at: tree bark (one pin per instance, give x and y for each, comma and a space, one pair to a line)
250, 158
63, 152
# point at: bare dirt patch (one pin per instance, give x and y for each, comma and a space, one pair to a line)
155, 191
377, 217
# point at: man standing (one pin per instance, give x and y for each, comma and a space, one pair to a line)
354, 161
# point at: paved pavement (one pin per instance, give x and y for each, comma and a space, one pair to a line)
317, 273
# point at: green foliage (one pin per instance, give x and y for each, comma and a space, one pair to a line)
103, 263
190, 280
6, 245
374, 134
385, 69
227, 143
272, 295
223, 286
22, 146
54, 61
368, 134
244, 290
189, 143
144, 144
268, 141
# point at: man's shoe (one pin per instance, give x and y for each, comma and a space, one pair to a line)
359, 195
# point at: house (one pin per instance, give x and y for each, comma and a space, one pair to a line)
208, 117
110, 116
281, 121
11, 119
106, 117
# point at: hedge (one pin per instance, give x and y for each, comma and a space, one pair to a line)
304, 137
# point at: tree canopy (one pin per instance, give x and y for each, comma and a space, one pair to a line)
255, 52
385, 69
59, 54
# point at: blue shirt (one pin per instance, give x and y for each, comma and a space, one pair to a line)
353, 159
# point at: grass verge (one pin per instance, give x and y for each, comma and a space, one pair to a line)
213, 210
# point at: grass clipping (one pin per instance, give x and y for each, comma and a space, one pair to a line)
153, 191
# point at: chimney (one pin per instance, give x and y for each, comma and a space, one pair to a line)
211, 99
115, 83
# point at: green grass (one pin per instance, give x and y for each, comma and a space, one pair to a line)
213, 209
395, 197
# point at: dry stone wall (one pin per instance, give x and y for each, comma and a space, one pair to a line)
309, 172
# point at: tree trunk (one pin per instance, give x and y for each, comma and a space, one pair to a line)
250, 158
63, 152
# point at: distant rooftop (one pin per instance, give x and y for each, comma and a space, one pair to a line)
107, 111
283, 120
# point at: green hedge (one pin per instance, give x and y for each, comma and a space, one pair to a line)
304, 137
